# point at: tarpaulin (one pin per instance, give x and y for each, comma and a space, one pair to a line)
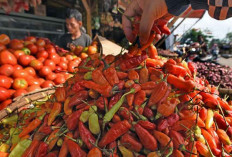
193, 13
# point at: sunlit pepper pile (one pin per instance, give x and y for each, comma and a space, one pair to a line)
126, 105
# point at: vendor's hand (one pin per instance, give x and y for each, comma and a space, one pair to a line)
149, 10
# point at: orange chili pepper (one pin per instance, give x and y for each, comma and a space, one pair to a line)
56, 109
143, 75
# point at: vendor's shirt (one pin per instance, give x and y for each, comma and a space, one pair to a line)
66, 40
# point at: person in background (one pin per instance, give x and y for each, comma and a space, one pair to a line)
203, 45
75, 36
151, 10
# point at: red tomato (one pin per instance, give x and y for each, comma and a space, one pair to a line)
51, 50
20, 73
4, 39
67, 75
77, 60
45, 70
24, 60
59, 79
40, 48
92, 50
41, 59
33, 88
78, 50
51, 76
63, 65
20, 83
31, 39
47, 83
18, 53
6, 69
69, 57
36, 64
58, 69
30, 71
4, 94
41, 80
5, 103
33, 48
2, 47
31, 80
11, 91
50, 63
6, 57
16, 44
72, 66
55, 57
5, 81
64, 59
17, 67
43, 54
27, 43
84, 55
20, 92
40, 42
32, 57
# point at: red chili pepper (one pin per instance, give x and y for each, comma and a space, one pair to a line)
72, 121
64, 148
168, 107
113, 145
86, 136
132, 62
42, 150
162, 124
131, 143
52, 139
31, 150
44, 128
179, 125
52, 154
122, 75
105, 90
181, 84
60, 94
203, 113
177, 139
162, 138
133, 75
56, 109
32, 126
154, 62
114, 99
224, 138
209, 139
99, 78
130, 99
116, 131
139, 98
152, 52
215, 136
147, 140
164, 29
156, 29
75, 149
202, 149
147, 112
125, 113
143, 75
121, 84
192, 67
111, 76
149, 41
160, 93
177, 153
147, 124
101, 103
78, 98
148, 85
222, 124
224, 104
228, 148
172, 119
175, 69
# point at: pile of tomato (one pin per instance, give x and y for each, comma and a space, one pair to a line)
31, 64
134, 104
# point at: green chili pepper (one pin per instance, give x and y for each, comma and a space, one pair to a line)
197, 131
26, 51
10, 120
84, 116
14, 134
92, 109
88, 75
94, 126
109, 115
20, 148
59, 142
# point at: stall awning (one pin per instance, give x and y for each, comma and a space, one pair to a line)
193, 13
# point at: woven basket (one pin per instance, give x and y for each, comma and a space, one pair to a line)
25, 100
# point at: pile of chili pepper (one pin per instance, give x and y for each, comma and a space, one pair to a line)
127, 105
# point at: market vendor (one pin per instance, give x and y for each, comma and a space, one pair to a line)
151, 10
75, 36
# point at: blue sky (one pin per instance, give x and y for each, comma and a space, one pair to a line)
218, 28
